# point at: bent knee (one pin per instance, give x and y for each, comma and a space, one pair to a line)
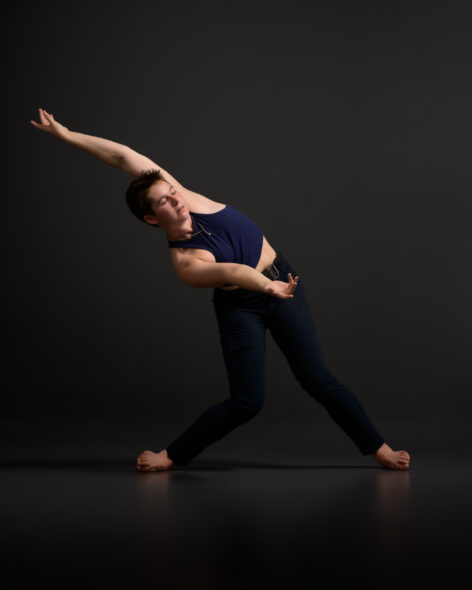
319, 388
248, 408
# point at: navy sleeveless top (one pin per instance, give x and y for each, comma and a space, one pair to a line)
228, 234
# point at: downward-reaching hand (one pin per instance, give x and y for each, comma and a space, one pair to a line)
281, 289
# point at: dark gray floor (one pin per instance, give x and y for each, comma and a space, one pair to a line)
268, 506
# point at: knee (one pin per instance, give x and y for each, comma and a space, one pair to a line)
319, 387
247, 409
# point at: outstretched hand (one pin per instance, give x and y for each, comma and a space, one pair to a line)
281, 289
50, 125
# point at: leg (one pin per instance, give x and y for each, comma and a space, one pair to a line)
294, 331
242, 337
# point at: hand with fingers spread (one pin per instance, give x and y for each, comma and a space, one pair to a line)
281, 289
50, 125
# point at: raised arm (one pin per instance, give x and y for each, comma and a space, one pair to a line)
112, 153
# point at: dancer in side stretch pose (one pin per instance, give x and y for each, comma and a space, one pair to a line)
214, 245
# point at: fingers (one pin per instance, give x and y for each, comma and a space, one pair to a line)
292, 282
288, 288
41, 126
46, 121
49, 116
44, 117
282, 289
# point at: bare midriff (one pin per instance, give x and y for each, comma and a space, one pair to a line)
266, 258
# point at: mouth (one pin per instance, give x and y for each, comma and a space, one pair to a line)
180, 209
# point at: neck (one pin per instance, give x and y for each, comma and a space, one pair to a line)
182, 232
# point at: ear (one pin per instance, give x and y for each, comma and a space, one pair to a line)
151, 220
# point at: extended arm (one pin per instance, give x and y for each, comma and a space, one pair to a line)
112, 153
198, 273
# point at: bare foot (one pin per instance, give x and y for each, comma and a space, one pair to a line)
149, 461
392, 459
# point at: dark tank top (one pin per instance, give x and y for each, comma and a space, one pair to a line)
228, 234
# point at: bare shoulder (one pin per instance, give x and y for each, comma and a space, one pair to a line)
182, 256
200, 204
136, 163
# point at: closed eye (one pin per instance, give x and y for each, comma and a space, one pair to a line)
161, 201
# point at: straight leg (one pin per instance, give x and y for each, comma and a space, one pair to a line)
293, 329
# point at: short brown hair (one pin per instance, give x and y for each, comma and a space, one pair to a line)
137, 193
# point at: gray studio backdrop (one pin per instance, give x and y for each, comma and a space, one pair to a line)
341, 128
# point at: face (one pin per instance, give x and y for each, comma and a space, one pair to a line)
170, 209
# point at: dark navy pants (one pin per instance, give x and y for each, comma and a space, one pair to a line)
243, 316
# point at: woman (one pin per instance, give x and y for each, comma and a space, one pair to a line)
254, 288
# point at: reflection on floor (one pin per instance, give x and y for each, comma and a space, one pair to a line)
268, 506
